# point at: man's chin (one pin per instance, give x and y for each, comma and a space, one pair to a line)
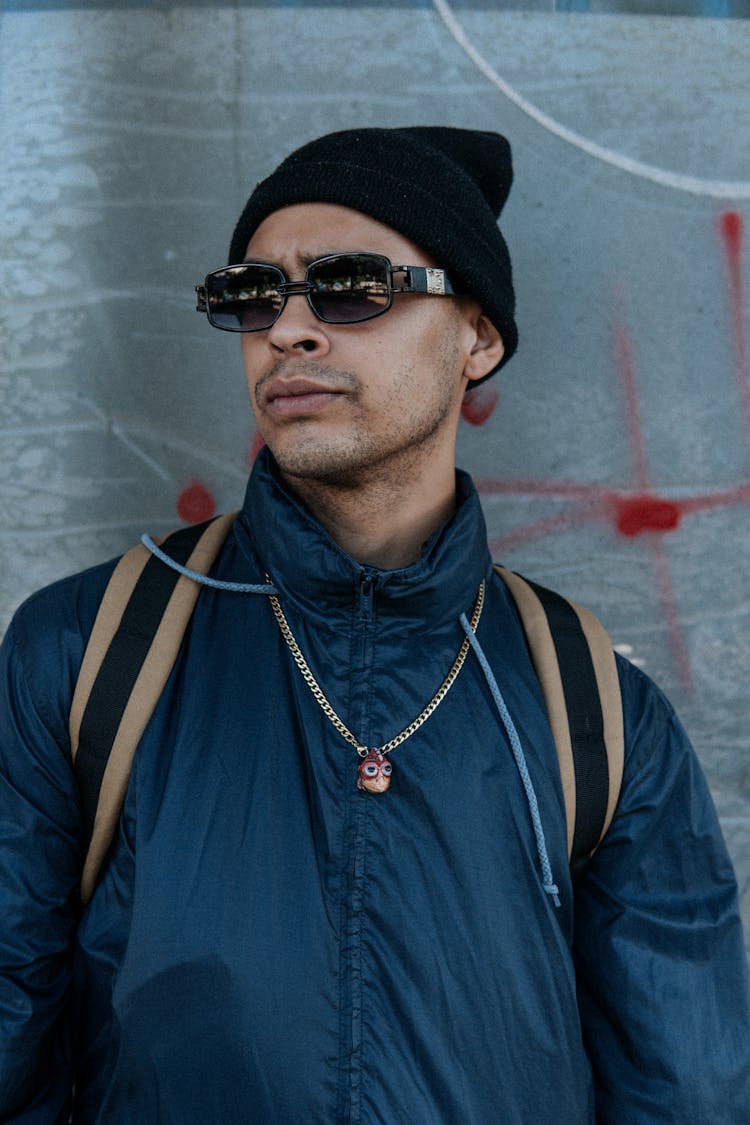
333, 475
336, 468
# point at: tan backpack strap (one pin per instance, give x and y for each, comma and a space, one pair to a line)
573, 658
132, 649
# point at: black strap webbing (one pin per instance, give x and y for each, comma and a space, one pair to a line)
119, 670
585, 721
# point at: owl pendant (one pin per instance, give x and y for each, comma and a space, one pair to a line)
374, 772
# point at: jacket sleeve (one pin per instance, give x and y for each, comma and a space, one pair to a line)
663, 987
39, 874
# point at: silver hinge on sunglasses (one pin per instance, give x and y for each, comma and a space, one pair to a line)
426, 279
435, 280
200, 298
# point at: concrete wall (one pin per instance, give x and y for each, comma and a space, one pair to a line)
616, 463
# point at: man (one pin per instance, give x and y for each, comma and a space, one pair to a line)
331, 899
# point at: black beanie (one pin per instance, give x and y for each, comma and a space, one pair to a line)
441, 188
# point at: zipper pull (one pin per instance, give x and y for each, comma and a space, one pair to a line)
365, 595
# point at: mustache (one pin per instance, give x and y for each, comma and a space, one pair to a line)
336, 378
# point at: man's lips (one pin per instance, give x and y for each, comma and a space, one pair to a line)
296, 397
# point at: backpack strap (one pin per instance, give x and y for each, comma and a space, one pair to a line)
573, 658
132, 649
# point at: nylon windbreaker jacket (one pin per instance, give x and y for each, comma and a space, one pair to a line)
270, 944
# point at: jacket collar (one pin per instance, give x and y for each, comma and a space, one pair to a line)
283, 538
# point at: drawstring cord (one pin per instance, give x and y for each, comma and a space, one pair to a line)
548, 884
251, 588
203, 579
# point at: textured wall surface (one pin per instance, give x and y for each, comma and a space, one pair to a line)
614, 451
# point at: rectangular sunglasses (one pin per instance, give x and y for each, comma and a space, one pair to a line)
340, 289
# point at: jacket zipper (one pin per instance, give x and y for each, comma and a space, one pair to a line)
364, 627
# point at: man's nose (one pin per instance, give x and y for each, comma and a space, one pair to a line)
297, 327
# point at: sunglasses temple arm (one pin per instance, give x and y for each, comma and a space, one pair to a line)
200, 298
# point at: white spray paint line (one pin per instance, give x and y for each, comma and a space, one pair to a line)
183, 445
10, 535
141, 454
695, 185
51, 429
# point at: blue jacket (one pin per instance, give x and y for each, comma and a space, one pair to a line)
270, 944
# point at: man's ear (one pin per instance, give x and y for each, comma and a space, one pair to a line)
487, 350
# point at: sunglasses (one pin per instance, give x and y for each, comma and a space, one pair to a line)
340, 289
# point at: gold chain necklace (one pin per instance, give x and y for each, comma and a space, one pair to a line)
374, 772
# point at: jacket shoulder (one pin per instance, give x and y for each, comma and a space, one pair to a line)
47, 635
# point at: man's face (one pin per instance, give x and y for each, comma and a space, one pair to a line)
334, 402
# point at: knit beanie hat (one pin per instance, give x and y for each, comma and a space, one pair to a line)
442, 188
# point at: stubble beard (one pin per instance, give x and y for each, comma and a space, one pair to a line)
360, 456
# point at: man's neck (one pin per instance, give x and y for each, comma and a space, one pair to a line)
379, 526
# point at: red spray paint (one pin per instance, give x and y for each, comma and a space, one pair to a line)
731, 227
195, 503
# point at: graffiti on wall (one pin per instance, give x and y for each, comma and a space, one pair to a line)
638, 508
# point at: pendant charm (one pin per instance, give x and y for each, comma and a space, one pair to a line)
374, 772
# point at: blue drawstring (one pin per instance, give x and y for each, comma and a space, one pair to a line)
541, 845
214, 583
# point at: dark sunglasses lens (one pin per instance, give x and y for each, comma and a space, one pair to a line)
244, 298
350, 287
